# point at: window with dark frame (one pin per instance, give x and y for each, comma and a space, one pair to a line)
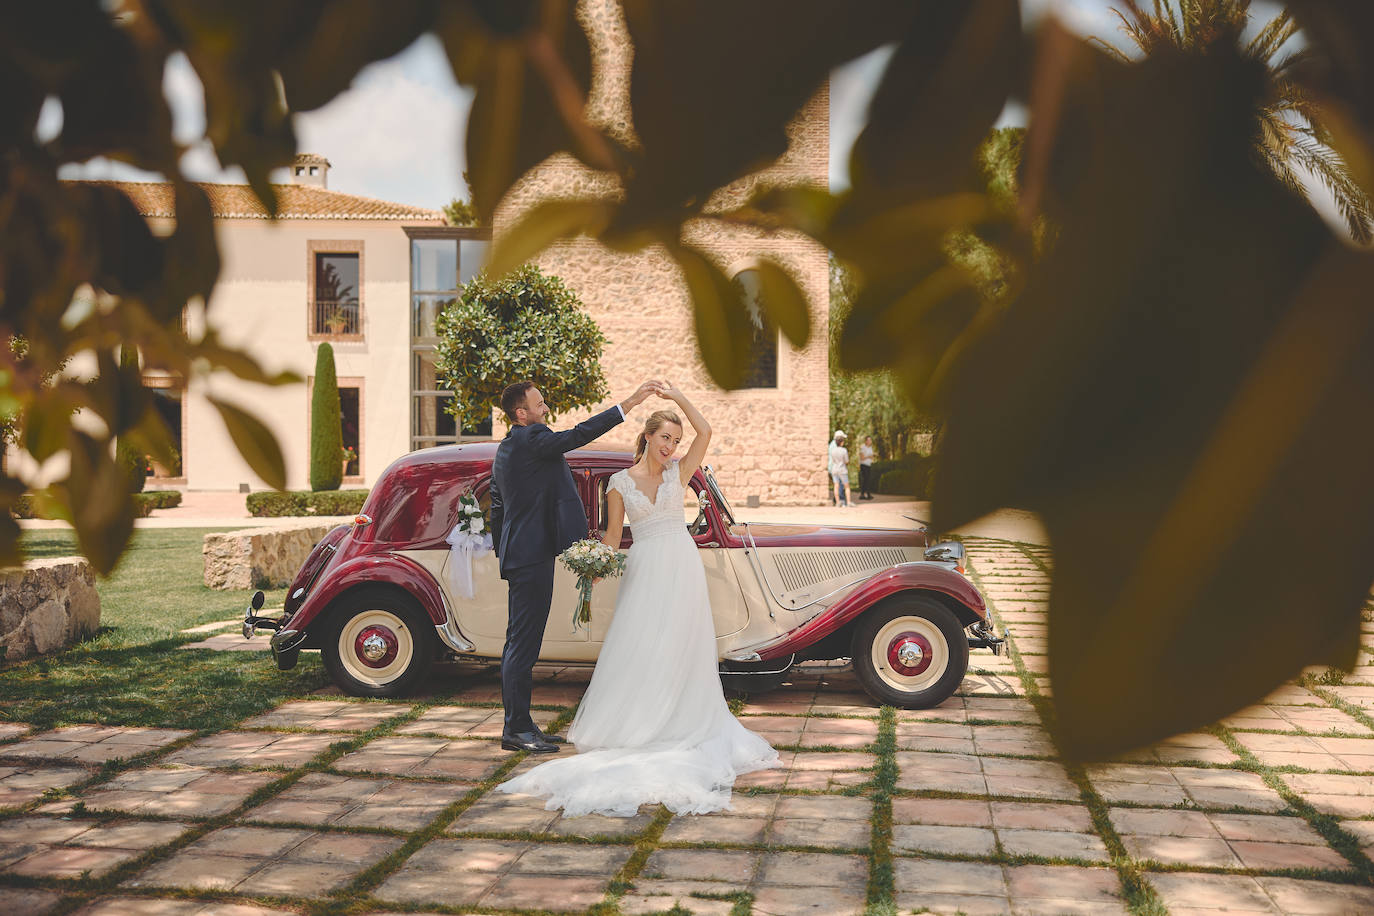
337, 305
350, 418
442, 261
763, 348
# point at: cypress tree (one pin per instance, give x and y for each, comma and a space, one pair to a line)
127, 456
326, 427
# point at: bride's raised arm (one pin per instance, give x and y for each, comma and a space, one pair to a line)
696, 452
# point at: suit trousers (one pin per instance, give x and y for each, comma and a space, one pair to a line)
530, 594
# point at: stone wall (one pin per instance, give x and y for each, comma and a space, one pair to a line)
259, 557
45, 605
770, 442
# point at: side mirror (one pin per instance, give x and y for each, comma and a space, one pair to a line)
258, 599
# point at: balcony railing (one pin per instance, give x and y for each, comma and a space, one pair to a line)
337, 317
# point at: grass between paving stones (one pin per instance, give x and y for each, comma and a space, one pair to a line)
78, 892
882, 887
623, 881
1335, 700
1327, 826
1140, 896
132, 672
356, 896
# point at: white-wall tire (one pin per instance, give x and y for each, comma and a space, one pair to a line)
910, 651
380, 644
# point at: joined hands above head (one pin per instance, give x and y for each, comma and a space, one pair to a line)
641, 394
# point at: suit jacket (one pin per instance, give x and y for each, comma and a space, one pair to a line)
536, 512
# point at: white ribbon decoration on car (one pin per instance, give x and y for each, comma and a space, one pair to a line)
462, 545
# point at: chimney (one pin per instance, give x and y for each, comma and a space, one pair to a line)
310, 169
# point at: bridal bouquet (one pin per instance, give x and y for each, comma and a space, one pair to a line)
470, 534
591, 560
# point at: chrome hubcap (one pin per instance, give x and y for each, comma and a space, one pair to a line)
374, 647
909, 654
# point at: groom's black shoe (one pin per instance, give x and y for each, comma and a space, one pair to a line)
551, 739
528, 741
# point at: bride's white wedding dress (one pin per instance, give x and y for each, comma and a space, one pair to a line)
653, 725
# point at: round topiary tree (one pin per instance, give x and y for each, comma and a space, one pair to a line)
528, 325
326, 428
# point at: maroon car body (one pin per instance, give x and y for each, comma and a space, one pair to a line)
378, 599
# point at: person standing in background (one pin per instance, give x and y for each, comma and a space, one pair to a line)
866, 468
839, 468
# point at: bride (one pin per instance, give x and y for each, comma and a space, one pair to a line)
653, 725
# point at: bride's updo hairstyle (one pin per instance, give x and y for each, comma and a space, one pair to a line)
651, 426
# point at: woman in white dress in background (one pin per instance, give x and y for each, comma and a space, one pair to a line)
653, 726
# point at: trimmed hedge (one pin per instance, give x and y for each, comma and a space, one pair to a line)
277, 504
144, 503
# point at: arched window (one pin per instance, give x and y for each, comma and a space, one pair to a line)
763, 351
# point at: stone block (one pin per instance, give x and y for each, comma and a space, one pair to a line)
47, 604
259, 557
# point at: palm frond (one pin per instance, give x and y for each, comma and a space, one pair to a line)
1325, 164
1273, 36
1275, 150
1284, 66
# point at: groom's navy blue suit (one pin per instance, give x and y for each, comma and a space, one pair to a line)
536, 514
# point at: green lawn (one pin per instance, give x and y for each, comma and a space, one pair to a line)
132, 672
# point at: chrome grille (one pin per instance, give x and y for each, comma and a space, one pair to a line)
801, 569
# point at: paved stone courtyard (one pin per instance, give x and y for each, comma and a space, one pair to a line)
329, 804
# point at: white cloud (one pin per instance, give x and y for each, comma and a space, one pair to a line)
396, 134
851, 89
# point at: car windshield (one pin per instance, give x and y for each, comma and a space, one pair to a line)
718, 496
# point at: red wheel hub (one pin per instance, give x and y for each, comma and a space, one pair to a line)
909, 654
376, 647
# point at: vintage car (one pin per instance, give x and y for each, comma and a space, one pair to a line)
376, 597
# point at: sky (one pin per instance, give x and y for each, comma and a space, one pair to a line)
396, 133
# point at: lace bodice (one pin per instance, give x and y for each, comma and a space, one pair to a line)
661, 515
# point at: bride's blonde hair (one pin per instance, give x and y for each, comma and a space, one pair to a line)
651, 426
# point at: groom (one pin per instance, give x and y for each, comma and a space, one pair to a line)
535, 515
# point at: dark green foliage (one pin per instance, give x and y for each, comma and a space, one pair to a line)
275, 503
871, 402
906, 476
326, 424
460, 213
526, 325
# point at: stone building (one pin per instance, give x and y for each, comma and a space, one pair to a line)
769, 439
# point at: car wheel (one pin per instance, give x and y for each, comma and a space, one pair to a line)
910, 652
380, 643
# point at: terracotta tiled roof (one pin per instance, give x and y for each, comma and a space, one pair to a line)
237, 201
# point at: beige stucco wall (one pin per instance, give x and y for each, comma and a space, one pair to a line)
261, 304
767, 442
